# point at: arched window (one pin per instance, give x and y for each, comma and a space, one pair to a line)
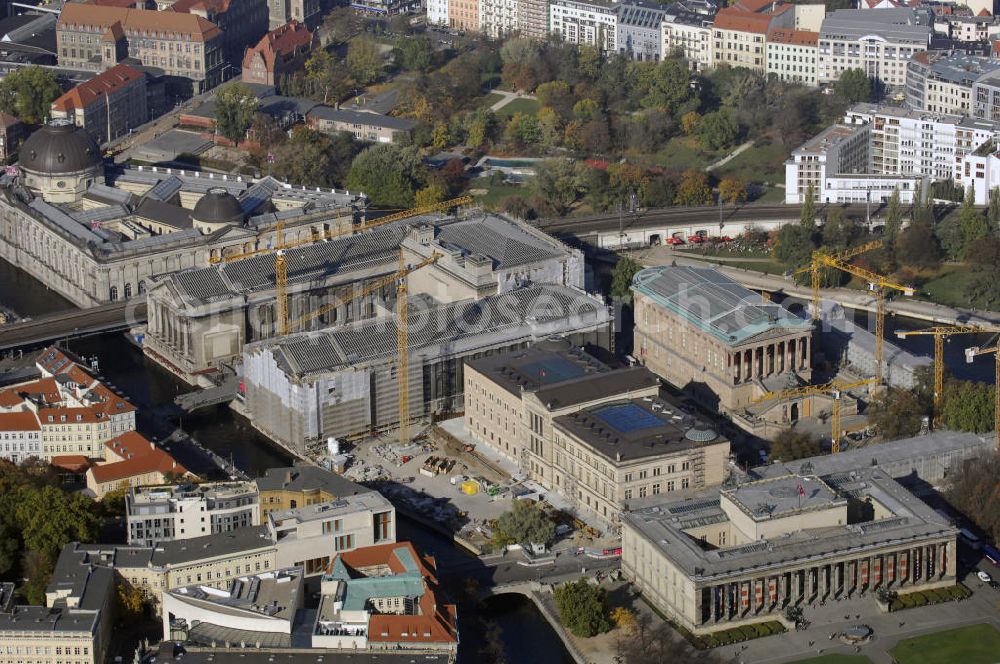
128, 290
114, 293
142, 287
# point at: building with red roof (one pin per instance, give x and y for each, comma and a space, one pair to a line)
132, 460
108, 105
739, 33
242, 22
282, 51
70, 411
384, 597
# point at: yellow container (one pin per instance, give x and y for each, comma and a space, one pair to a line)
470, 488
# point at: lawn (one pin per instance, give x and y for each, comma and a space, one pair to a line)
496, 194
759, 163
523, 106
490, 99
948, 287
835, 658
977, 644
683, 153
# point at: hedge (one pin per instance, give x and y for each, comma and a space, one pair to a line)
932, 596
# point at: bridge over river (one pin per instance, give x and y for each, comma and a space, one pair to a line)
112, 317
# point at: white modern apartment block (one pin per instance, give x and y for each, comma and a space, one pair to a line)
689, 33
908, 142
592, 23
792, 55
437, 12
880, 43
498, 18
158, 514
840, 149
20, 436
980, 172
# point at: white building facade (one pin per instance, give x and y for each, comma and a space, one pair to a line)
437, 12
498, 18
880, 43
690, 34
792, 56
591, 23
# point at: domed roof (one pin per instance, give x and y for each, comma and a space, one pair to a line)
701, 434
218, 206
60, 147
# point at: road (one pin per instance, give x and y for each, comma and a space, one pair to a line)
74, 323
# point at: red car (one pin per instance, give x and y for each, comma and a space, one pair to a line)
724, 238
696, 239
674, 240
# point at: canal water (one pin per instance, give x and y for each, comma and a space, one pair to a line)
524, 634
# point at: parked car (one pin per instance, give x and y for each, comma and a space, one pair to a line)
674, 240
983, 576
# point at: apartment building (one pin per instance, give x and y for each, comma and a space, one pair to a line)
498, 18
108, 106
363, 125
74, 625
308, 12
739, 36
986, 97
942, 82
95, 38
906, 141
437, 13
74, 412
309, 537
533, 18
20, 436
301, 485
162, 513
591, 23
640, 35
131, 460
688, 33
243, 22
792, 56
880, 43
464, 15
281, 52
600, 438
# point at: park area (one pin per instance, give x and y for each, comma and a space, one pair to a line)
976, 644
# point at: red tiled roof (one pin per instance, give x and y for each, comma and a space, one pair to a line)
136, 20
793, 37
984, 12
140, 457
284, 41
74, 463
45, 388
85, 94
742, 21
19, 421
755, 6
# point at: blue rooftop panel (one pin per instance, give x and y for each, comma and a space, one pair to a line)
553, 370
628, 417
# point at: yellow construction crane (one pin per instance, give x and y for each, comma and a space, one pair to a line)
876, 282
835, 388
282, 326
374, 286
940, 333
970, 354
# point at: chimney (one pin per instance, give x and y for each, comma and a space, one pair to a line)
288, 477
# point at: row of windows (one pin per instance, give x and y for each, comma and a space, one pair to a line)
654, 489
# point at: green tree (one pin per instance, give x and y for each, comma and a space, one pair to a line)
972, 489
235, 109
28, 93
918, 247
854, 86
524, 523
791, 444
693, 189
326, 80
68, 517
993, 213
130, 602
37, 568
433, 193
794, 245
582, 608
364, 61
415, 53
559, 182
718, 130
669, 85
621, 279
893, 219
306, 158
968, 406
388, 175
808, 217
523, 130
838, 231
897, 413
983, 261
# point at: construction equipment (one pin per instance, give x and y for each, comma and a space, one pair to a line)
821, 259
835, 388
374, 286
970, 355
940, 333
282, 325
876, 283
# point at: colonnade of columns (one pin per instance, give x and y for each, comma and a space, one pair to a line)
750, 364
738, 600
166, 327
